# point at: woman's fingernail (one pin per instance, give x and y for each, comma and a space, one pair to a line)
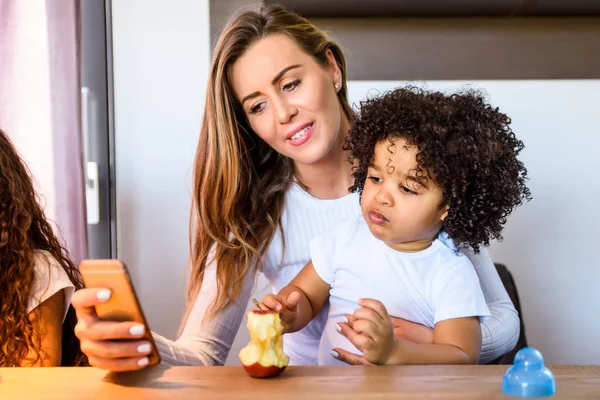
143, 362
338, 328
345, 320
334, 353
144, 348
103, 295
137, 330
278, 307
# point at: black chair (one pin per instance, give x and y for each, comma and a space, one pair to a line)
511, 288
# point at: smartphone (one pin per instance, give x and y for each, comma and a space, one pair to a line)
123, 304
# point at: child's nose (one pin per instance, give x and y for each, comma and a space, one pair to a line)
384, 197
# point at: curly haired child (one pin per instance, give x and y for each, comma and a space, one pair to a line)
37, 277
427, 166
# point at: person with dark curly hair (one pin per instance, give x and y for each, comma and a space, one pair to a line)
429, 168
37, 278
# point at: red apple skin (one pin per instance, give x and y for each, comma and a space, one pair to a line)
259, 371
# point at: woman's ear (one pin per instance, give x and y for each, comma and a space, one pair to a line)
336, 73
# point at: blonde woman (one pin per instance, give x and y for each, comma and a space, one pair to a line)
270, 175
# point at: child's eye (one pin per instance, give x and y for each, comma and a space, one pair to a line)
290, 87
257, 109
407, 190
375, 179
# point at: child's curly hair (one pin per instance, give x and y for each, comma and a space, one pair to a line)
464, 144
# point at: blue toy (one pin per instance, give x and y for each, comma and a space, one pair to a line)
528, 377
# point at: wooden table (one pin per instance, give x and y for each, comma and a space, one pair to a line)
368, 382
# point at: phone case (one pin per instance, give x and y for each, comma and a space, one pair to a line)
123, 304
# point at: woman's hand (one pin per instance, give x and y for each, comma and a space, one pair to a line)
412, 331
99, 338
402, 328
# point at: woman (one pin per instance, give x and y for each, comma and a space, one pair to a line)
37, 278
270, 174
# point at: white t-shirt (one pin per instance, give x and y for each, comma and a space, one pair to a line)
425, 287
50, 277
304, 218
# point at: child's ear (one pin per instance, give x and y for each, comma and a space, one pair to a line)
444, 214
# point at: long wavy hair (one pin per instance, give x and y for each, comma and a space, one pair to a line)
239, 181
26, 235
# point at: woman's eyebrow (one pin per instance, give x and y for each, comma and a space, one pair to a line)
274, 81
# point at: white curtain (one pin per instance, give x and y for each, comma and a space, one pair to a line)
39, 106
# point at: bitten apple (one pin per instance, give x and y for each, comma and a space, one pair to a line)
263, 357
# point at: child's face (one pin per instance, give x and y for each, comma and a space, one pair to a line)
399, 210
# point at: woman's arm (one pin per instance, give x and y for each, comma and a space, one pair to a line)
47, 319
207, 342
500, 332
455, 341
201, 343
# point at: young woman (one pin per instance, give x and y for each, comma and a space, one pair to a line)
270, 175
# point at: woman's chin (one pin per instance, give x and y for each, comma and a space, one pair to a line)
312, 153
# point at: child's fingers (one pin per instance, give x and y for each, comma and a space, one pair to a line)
292, 301
359, 341
376, 306
272, 302
366, 328
350, 320
367, 314
261, 307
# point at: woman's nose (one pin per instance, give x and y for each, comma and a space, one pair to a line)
284, 111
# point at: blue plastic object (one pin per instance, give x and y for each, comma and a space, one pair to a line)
528, 377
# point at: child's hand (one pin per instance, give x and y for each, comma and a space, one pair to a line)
372, 332
287, 306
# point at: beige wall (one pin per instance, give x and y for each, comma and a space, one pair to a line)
161, 58
455, 48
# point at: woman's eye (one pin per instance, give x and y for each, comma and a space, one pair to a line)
290, 87
257, 108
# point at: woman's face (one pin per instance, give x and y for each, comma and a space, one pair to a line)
290, 100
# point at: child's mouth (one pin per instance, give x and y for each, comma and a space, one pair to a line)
377, 218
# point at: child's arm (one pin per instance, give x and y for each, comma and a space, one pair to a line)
301, 300
455, 341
